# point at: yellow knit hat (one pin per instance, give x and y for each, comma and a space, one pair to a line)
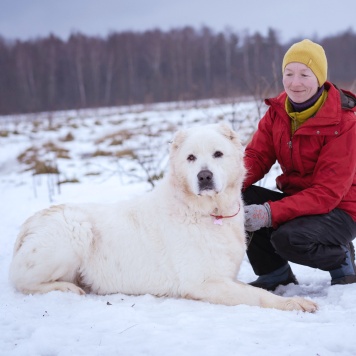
312, 55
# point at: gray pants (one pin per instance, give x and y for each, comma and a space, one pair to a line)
315, 240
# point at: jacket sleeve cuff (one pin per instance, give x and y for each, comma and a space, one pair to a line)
269, 213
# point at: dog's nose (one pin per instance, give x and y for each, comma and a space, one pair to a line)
205, 176
205, 180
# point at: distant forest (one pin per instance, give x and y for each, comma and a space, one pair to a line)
49, 73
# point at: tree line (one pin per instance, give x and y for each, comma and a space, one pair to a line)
49, 73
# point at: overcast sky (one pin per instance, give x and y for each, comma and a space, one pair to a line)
307, 18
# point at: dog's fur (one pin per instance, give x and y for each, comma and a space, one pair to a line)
165, 243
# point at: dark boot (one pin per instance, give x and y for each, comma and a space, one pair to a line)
280, 277
346, 274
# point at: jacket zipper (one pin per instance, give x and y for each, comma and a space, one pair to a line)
290, 146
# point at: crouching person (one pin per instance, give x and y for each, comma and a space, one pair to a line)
310, 129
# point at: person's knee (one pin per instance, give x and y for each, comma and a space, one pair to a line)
249, 196
259, 195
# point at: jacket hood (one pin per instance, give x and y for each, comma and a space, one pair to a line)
348, 99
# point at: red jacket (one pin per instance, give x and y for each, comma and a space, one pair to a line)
318, 162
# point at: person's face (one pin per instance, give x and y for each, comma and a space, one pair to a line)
299, 82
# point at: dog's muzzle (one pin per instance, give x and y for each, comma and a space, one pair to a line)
206, 180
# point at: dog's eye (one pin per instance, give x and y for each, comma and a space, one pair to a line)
191, 158
218, 154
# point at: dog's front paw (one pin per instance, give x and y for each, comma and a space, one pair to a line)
298, 303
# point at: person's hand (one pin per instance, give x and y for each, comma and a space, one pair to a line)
257, 216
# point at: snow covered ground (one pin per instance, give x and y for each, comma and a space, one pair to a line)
68, 324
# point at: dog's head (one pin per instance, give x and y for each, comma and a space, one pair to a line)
207, 160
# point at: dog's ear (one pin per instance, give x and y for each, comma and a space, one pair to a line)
228, 132
178, 139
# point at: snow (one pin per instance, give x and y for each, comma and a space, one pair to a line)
67, 324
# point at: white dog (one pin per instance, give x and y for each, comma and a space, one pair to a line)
184, 239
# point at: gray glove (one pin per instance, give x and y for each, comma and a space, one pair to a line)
257, 216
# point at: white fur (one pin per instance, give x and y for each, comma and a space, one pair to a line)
164, 243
